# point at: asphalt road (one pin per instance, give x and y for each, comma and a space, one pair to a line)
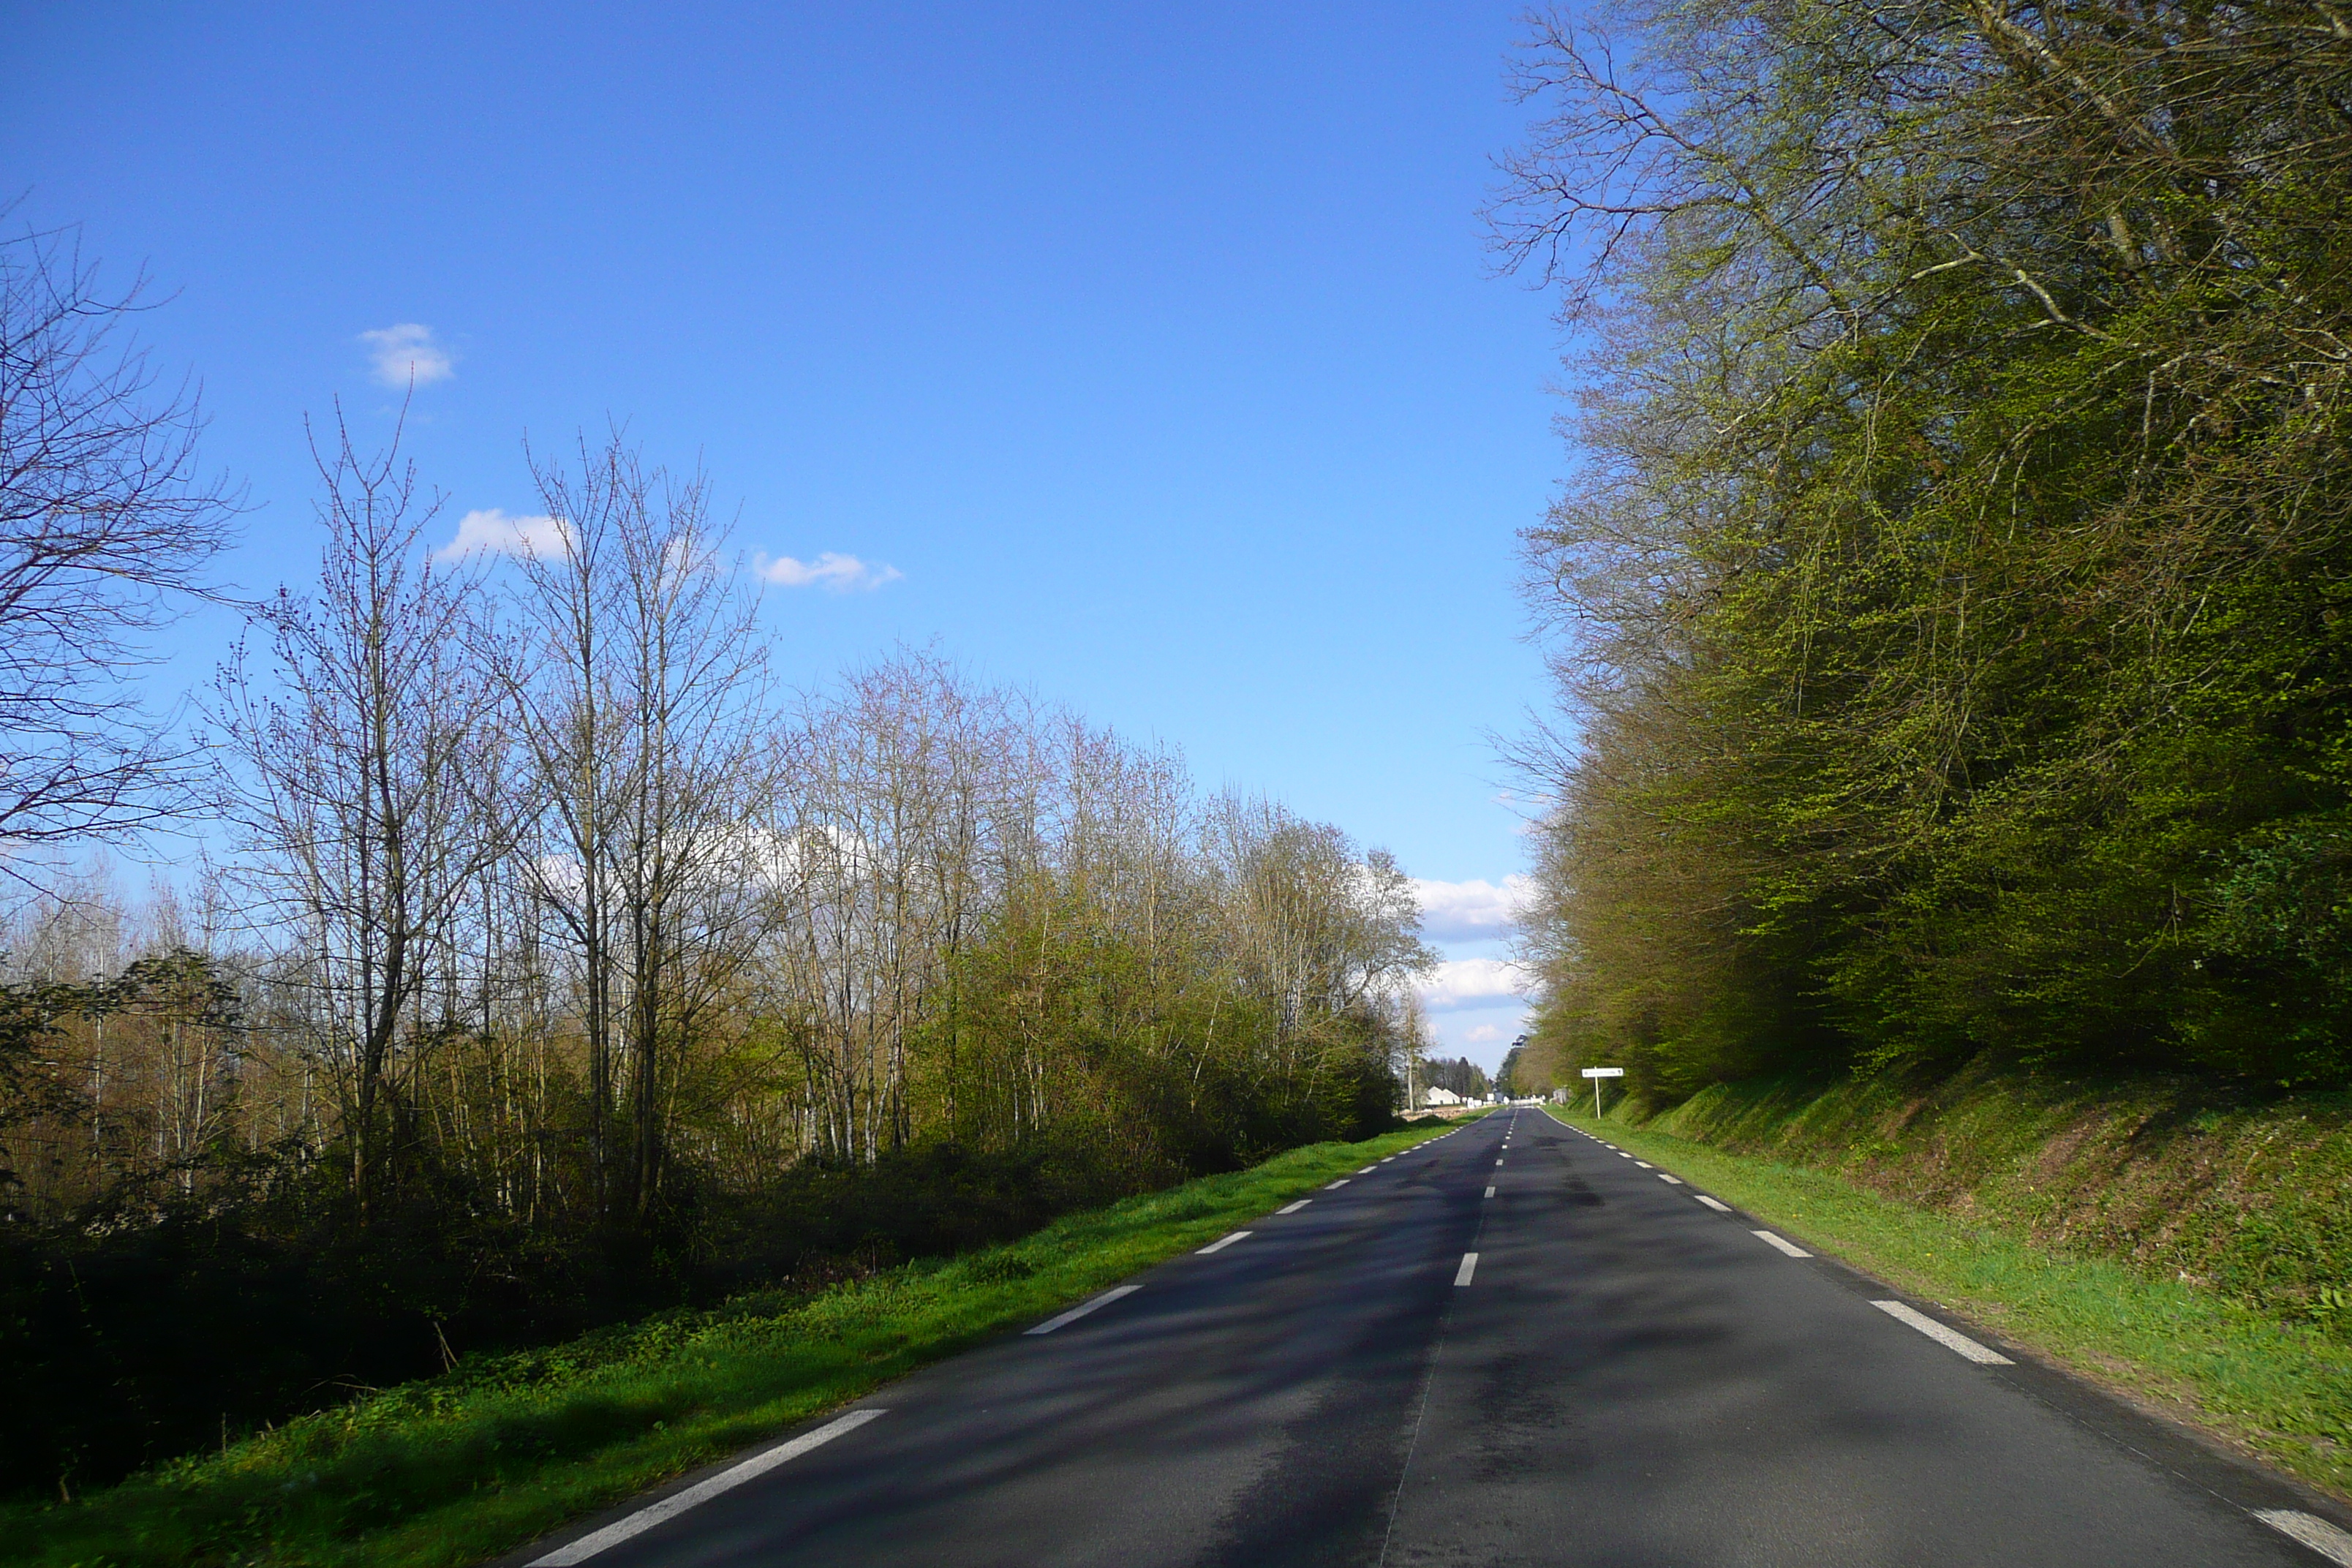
1625, 1376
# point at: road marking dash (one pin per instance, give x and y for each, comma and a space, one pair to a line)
1646, 1165
1083, 1308
1950, 1338
726, 1480
1369, 1169
1675, 1180
1469, 1267
1341, 1183
1499, 1161
1490, 1192
1719, 1208
1790, 1248
1221, 1243
2310, 1530
1294, 1208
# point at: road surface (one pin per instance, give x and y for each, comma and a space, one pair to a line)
1510, 1345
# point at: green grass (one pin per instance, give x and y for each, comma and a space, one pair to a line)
506, 1449
2277, 1389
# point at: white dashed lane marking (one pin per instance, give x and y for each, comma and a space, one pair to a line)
1469, 1267
726, 1480
1083, 1308
1790, 1248
1675, 1180
1490, 1192
2312, 1530
1222, 1243
1294, 1208
1950, 1338
1341, 1183
1719, 1208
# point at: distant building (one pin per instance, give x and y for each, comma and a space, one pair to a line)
1436, 1096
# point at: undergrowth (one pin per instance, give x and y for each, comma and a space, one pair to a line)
503, 1448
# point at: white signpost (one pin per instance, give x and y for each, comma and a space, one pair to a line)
1596, 1075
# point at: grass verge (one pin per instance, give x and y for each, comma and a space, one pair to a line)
505, 1448
2280, 1391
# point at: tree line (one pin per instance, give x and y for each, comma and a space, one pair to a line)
1948, 610
557, 962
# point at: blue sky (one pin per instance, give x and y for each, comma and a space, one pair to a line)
1153, 348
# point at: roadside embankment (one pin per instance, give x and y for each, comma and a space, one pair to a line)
503, 1448
2183, 1247
2215, 1185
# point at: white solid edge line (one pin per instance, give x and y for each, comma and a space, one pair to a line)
1675, 1180
670, 1506
1490, 1192
1719, 1208
1469, 1267
1294, 1208
1341, 1183
1083, 1308
1783, 1244
2310, 1530
1951, 1339
1221, 1243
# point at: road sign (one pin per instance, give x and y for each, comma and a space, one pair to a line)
1604, 1072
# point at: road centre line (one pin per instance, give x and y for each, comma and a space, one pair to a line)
1790, 1248
1341, 1183
1499, 1161
1490, 1192
1221, 1243
1719, 1208
1951, 1339
1294, 1208
726, 1480
2311, 1531
1469, 1267
1080, 1310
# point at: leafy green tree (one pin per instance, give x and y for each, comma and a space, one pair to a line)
1947, 615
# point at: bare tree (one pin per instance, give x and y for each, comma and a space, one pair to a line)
636, 686
106, 529
356, 784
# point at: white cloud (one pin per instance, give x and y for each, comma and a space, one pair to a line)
406, 355
490, 531
1470, 912
833, 571
1484, 1035
1472, 983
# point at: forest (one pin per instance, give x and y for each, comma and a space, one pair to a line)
1948, 611
543, 960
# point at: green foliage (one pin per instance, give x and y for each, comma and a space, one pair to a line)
1950, 612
